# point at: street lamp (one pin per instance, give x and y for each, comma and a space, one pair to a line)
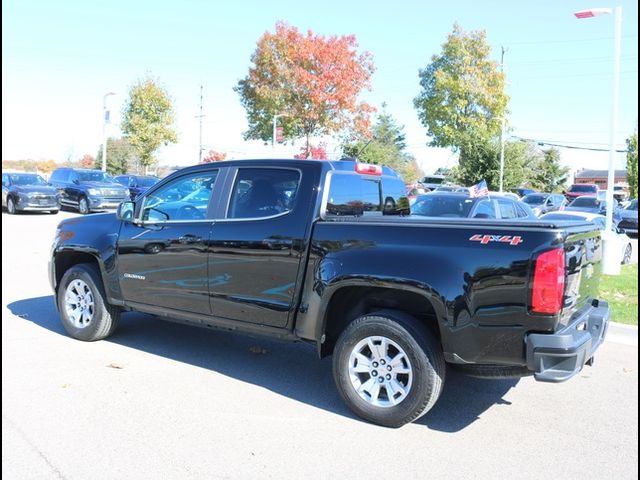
610, 253
104, 130
275, 122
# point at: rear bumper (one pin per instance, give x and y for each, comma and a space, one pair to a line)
559, 356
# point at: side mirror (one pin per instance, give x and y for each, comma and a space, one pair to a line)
125, 211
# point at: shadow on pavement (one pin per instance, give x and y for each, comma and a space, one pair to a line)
288, 369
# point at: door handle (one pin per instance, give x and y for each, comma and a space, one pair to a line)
185, 239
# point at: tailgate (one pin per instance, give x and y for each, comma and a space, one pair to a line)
583, 251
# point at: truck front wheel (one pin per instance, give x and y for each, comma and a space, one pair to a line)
82, 304
388, 368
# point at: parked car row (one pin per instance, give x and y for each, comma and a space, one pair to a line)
84, 190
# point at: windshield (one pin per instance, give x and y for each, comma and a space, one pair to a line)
433, 180
94, 176
146, 182
583, 188
534, 199
585, 202
633, 205
22, 179
442, 206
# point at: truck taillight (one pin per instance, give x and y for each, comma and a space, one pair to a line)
548, 282
368, 169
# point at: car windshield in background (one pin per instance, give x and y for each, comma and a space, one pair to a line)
582, 188
534, 199
27, 180
633, 205
96, 176
442, 206
585, 202
433, 180
146, 182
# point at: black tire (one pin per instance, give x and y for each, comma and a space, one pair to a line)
83, 205
494, 371
53, 212
421, 349
11, 206
105, 317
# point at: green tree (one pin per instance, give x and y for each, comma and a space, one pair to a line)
549, 175
482, 162
385, 146
148, 120
632, 164
121, 157
462, 100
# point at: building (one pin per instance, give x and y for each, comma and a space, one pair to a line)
599, 177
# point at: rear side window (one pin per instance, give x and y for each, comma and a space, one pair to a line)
507, 209
263, 192
485, 209
353, 195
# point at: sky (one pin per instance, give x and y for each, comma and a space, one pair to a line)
59, 58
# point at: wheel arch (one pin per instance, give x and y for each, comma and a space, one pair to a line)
349, 302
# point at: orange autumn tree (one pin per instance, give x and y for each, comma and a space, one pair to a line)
214, 156
312, 80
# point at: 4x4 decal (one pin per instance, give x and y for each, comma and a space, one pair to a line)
485, 239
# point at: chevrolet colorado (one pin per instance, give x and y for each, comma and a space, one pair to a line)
324, 252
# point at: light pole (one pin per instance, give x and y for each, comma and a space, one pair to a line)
610, 254
275, 123
104, 130
502, 127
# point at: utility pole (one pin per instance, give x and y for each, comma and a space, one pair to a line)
504, 121
200, 117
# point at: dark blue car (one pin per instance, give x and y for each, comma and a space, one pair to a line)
137, 184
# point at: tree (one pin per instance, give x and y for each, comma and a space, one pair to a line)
214, 156
314, 153
482, 162
549, 175
87, 161
632, 164
311, 79
462, 100
147, 120
121, 157
384, 145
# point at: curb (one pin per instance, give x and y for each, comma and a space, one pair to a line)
621, 333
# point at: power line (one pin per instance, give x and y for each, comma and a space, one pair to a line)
574, 40
561, 145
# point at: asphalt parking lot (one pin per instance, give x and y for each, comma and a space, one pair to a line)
163, 400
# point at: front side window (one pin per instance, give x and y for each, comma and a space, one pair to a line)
263, 192
184, 198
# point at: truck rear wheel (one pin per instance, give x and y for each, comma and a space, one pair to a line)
388, 368
82, 304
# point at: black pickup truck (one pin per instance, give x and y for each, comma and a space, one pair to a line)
324, 252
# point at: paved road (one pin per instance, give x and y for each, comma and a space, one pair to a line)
162, 400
